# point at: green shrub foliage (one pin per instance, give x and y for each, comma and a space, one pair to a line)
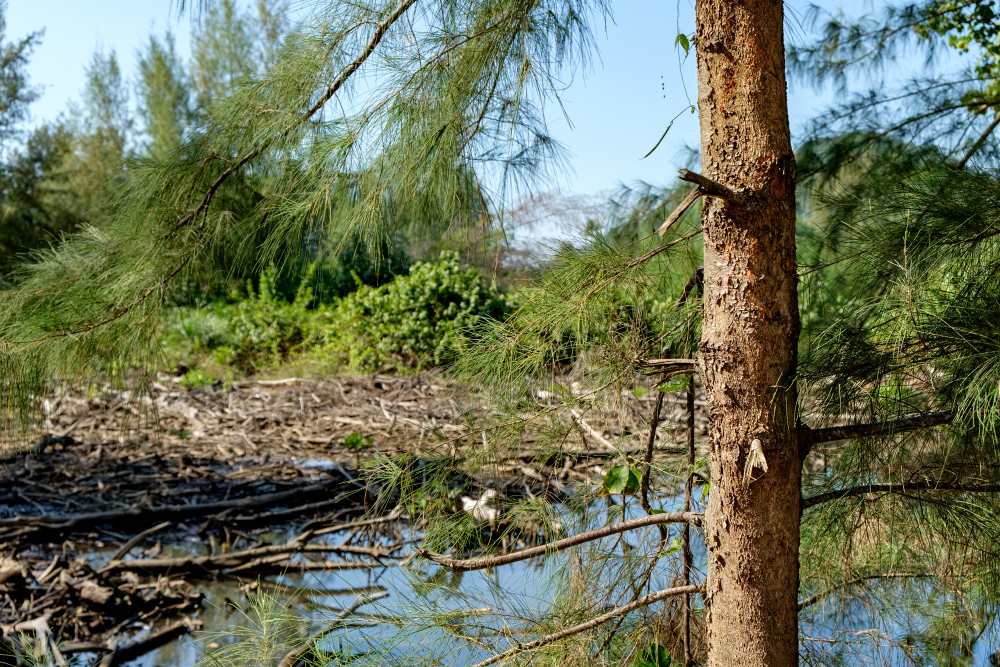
415, 321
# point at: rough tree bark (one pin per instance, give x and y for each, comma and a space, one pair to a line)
747, 354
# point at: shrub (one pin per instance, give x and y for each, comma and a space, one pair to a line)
265, 328
417, 320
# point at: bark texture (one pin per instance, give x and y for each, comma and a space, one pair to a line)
747, 354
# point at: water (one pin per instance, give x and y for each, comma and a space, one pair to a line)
518, 591
511, 592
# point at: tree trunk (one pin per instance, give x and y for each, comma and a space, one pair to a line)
747, 353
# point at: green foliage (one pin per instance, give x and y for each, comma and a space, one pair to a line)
16, 95
622, 480
164, 98
35, 209
967, 24
357, 441
418, 320
654, 656
196, 378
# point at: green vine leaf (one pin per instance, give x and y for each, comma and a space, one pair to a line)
622, 480
682, 39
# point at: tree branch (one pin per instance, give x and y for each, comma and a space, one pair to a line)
667, 365
644, 601
463, 565
813, 599
979, 143
708, 186
897, 488
685, 204
914, 423
696, 281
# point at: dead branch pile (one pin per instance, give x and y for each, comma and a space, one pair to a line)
108, 524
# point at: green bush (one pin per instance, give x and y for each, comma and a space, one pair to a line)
415, 321
265, 328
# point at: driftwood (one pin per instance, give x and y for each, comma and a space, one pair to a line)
137, 515
140, 648
226, 465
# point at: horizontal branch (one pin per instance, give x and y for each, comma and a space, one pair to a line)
674, 216
560, 545
708, 186
135, 516
644, 601
673, 366
897, 488
853, 431
813, 599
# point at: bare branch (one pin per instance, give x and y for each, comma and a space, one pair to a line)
813, 599
979, 142
663, 248
897, 488
667, 365
914, 423
696, 281
708, 186
644, 601
685, 204
463, 565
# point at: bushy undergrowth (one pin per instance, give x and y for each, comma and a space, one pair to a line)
415, 321
419, 319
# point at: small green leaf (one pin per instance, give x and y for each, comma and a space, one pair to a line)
675, 545
654, 511
357, 441
673, 384
682, 39
664, 136
693, 109
622, 480
654, 656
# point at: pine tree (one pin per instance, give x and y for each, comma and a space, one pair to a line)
164, 96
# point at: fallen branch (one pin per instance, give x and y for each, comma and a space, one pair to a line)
594, 433
897, 488
560, 545
125, 548
237, 558
644, 601
147, 644
167, 512
388, 518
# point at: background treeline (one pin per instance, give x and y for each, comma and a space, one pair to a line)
232, 312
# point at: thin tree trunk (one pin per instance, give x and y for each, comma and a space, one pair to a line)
686, 555
747, 353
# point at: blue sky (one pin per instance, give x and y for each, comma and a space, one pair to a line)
618, 109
